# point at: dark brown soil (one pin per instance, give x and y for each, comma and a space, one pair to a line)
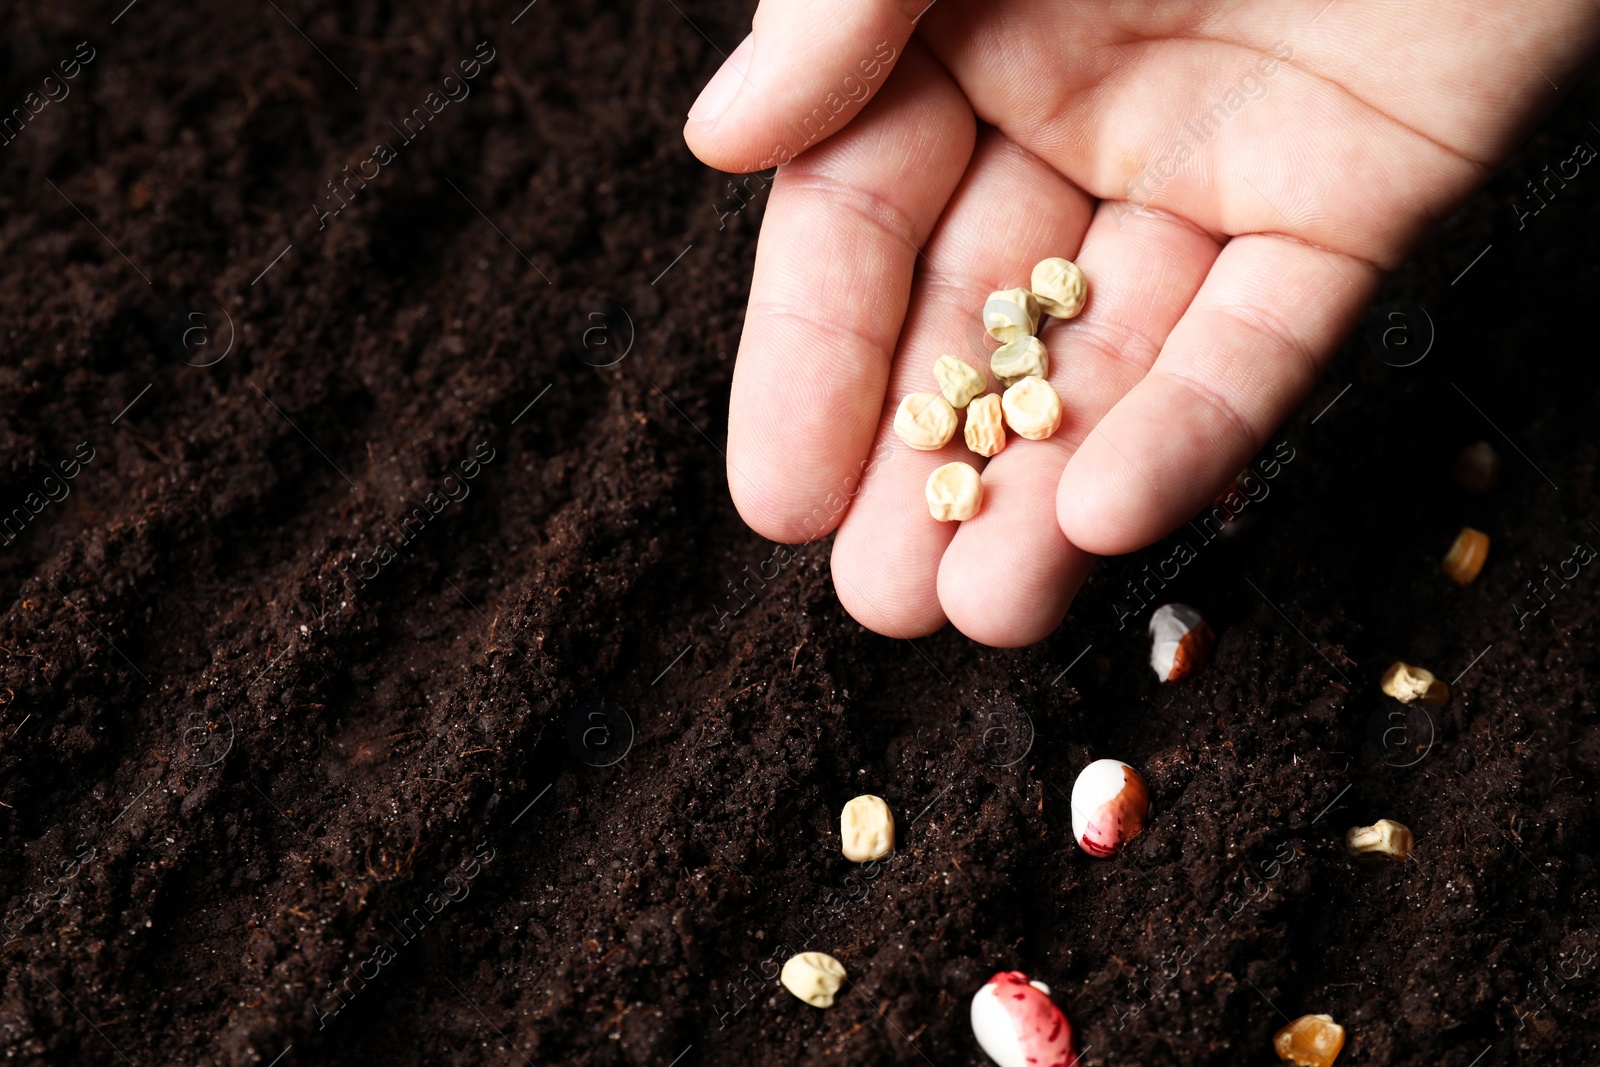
293, 772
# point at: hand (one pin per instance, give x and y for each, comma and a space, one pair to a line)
1233, 178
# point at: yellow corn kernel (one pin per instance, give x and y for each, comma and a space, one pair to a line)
1310, 1041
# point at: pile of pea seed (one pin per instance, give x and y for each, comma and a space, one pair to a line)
1030, 406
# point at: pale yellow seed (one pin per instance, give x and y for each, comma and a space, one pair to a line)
866, 828
1059, 287
955, 492
814, 977
1023, 358
986, 430
1011, 314
925, 421
1407, 684
958, 382
1032, 408
1383, 838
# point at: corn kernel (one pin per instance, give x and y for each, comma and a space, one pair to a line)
1384, 838
1408, 684
1310, 1041
1466, 556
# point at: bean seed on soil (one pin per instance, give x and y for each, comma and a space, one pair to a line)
1110, 806
1180, 642
1018, 1025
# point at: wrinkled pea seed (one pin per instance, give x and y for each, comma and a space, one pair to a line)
866, 828
958, 383
1384, 838
985, 431
1059, 287
1407, 684
1011, 314
814, 977
954, 492
1032, 408
925, 421
1024, 358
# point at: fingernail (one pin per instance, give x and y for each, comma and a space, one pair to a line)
724, 85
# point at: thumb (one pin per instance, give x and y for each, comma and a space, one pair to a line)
805, 71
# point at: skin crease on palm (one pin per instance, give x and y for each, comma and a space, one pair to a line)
1010, 130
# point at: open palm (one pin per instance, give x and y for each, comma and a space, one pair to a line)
1233, 178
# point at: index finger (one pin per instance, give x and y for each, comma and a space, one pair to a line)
802, 75
832, 279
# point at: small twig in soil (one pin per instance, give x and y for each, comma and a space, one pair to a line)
165, 462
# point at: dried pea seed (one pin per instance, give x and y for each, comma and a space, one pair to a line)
925, 421
814, 977
1032, 408
1023, 358
958, 383
1011, 314
1407, 684
866, 828
985, 431
1059, 287
1384, 838
954, 492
